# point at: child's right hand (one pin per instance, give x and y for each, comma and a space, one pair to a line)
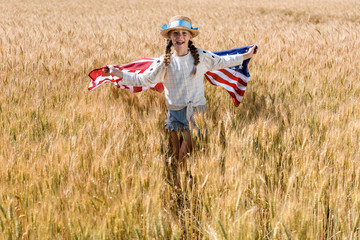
108, 69
111, 70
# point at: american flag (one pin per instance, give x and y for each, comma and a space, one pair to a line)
233, 79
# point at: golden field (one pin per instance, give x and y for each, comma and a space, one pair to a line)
75, 164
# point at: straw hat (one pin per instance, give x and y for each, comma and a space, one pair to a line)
179, 23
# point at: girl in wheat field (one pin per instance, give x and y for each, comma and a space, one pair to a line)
181, 71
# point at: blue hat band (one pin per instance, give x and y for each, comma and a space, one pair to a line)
179, 23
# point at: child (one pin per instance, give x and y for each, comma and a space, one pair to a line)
182, 73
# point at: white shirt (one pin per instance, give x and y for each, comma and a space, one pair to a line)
182, 88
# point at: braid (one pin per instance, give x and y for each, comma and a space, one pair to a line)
195, 54
167, 53
167, 56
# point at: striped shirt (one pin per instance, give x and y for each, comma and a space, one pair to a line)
182, 88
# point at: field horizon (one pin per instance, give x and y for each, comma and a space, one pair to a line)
75, 164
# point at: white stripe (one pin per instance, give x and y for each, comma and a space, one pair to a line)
132, 71
97, 84
227, 87
145, 88
226, 78
131, 88
110, 77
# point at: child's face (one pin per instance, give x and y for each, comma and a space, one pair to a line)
180, 39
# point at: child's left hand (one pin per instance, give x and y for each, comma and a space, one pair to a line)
250, 52
255, 50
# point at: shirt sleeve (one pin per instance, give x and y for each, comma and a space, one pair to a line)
152, 75
213, 61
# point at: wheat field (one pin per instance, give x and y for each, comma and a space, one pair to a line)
75, 164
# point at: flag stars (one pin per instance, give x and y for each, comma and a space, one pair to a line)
238, 68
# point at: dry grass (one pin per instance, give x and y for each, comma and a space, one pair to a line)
78, 164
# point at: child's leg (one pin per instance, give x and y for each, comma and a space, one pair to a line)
185, 148
175, 143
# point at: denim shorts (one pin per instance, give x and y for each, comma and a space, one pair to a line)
177, 119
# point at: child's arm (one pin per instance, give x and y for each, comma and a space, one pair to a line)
151, 76
214, 61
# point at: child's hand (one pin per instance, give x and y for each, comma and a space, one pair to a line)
109, 69
106, 70
250, 52
253, 50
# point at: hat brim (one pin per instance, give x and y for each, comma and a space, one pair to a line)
165, 32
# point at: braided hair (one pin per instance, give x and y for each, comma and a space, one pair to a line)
167, 56
195, 54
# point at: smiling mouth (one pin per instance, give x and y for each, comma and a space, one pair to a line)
179, 43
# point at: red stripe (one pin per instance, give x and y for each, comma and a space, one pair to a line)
138, 65
95, 73
137, 89
158, 87
223, 81
235, 101
220, 79
231, 76
236, 89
